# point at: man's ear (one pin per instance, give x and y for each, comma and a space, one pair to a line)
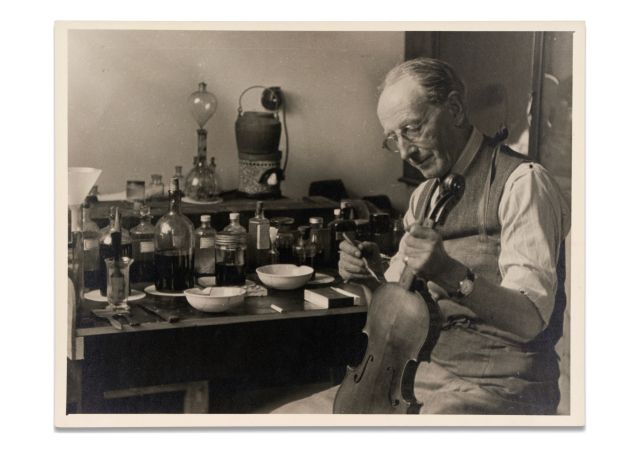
456, 107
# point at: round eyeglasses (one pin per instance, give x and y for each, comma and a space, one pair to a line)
409, 133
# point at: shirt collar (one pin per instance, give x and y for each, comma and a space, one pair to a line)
468, 154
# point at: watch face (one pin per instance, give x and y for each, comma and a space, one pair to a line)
466, 287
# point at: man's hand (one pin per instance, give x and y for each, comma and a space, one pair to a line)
425, 253
351, 264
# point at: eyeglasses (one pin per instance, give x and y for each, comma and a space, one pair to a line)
409, 133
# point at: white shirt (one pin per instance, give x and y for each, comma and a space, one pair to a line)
534, 220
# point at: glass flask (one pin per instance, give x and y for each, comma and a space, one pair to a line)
174, 243
218, 184
201, 183
230, 258
205, 248
90, 249
259, 242
108, 250
143, 268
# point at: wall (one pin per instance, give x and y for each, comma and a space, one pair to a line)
128, 112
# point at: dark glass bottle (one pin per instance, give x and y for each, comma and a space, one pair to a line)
143, 267
230, 258
91, 249
285, 239
259, 243
382, 233
106, 250
339, 227
174, 245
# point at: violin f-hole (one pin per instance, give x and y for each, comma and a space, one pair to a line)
358, 377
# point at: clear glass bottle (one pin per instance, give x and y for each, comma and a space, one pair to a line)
259, 243
143, 267
234, 225
339, 226
230, 258
106, 249
304, 250
156, 188
273, 253
174, 243
205, 248
218, 184
179, 176
90, 248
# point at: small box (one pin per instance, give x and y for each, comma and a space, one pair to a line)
328, 298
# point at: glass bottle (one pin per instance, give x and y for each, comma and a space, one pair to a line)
381, 232
316, 227
179, 176
174, 243
230, 258
285, 239
90, 248
118, 267
106, 250
205, 248
398, 232
259, 243
156, 188
218, 184
339, 226
304, 250
234, 225
273, 253
143, 267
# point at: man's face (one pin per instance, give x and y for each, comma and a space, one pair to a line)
404, 104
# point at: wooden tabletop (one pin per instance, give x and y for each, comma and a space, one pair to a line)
254, 309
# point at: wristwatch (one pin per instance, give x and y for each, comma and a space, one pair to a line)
466, 286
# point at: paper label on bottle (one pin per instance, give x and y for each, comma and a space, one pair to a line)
146, 247
207, 242
90, 243
263, 239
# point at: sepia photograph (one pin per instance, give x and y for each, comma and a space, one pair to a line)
319, 224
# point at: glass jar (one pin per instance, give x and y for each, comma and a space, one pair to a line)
156, 188
230, 259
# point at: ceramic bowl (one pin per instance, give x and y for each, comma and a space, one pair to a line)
215, 299
284, 276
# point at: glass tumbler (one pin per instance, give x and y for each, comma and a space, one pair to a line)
118, 283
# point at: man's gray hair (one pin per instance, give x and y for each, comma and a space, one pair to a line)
437, 78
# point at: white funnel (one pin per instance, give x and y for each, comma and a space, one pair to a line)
81, 180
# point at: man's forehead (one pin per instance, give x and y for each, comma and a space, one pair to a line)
403, 100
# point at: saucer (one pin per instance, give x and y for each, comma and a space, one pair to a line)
151, 290
321, 278
94, 295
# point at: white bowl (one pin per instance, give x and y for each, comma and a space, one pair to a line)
284, 276
215, 299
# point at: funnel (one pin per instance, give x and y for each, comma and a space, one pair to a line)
81, 180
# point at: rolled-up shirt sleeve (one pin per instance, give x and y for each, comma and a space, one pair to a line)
534, 220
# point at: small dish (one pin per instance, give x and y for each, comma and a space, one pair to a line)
94, 295
215, 299
284, 276
151, 290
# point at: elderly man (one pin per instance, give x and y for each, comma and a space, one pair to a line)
491, 267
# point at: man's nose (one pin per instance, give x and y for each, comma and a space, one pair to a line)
406, 149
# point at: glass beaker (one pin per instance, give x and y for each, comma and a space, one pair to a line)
118, 283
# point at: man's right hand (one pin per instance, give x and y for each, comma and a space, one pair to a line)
351, 264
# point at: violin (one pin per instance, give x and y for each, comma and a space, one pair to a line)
402, 327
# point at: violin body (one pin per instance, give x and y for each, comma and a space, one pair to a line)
401, 333
402, 328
